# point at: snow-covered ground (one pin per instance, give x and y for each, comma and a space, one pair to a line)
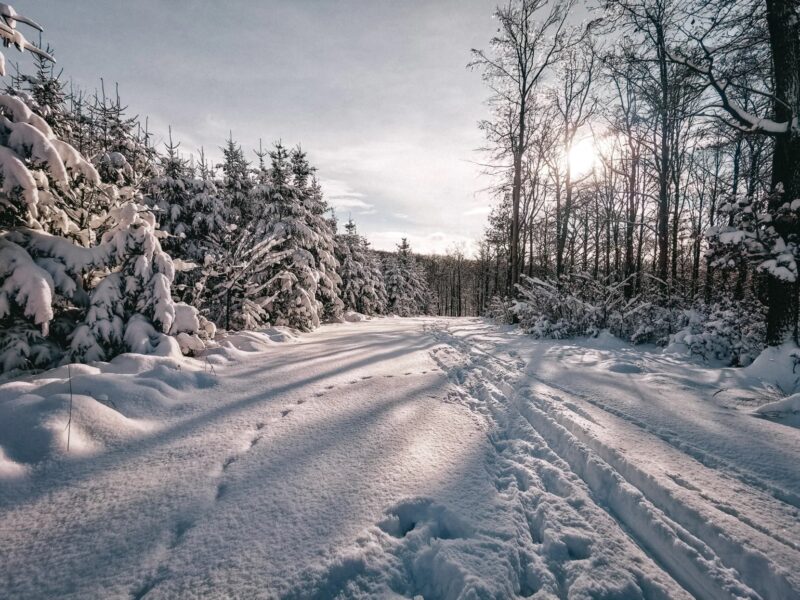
443, 458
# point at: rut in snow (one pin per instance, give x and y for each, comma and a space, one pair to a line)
706, 559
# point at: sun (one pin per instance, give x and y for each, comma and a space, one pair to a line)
582, 157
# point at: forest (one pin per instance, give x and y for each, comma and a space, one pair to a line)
643, 160
646, 165
107, 241
218, 382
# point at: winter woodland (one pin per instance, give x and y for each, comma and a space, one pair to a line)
213, 385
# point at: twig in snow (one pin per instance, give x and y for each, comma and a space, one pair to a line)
69, 421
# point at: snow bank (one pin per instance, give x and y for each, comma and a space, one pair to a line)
113, 402
786, 410
99, 407
778, 366
352, 316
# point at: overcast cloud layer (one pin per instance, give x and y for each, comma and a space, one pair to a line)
377, 92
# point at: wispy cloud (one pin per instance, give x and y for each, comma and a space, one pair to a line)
339, 194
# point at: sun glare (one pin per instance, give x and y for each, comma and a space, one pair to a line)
582, 157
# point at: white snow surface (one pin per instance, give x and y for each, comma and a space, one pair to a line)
389, 458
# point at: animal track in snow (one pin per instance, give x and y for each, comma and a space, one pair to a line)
222, 489
286, 412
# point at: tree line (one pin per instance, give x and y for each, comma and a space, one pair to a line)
653, 151
110, 243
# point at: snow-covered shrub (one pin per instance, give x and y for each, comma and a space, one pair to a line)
752, 235
731, 334
500, 310
575, 305
645, 322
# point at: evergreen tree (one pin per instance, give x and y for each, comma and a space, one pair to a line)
362, 288
324, 250
236, 184
63, 294
406, 286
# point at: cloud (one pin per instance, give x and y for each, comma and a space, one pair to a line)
339, 194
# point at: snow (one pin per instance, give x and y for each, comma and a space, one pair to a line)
786, 410
430, 457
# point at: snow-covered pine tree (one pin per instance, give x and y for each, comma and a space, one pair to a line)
289, 292
362, 288
324, 251
285, 282
406, 286
229, 251
58, 289
44, 92
169, 193
120, 145
237, 184
206, 223
189, 210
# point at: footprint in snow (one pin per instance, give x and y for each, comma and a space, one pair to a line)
318, 394
286, 412
181, 529
430, 520
366, 377
222, 489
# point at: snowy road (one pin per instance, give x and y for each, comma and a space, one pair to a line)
447, 458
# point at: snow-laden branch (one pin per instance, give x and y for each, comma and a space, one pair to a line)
745, 121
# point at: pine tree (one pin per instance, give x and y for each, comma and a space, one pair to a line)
406, 286
362, 288
324, 250
295, 268
120, 150
236, 184
62, 294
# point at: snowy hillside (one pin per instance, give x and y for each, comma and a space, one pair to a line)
442, 458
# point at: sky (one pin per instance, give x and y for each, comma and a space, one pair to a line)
376, 91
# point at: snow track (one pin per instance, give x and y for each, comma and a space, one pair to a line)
442, 458
739, 544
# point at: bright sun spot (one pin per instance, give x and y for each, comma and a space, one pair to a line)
582, 157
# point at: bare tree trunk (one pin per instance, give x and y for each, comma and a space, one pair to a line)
784, 33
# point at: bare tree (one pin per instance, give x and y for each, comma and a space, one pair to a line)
531, 36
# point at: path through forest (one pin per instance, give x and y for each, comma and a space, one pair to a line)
405, 457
